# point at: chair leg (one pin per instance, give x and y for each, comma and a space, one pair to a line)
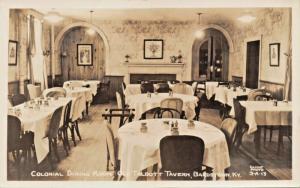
72, 133
107, 159
49, 154
265, 133
55, 149
271, 132
280, 136
77, 129
64, 139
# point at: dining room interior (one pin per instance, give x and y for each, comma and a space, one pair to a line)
147, 94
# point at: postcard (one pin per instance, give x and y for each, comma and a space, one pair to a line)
150, 93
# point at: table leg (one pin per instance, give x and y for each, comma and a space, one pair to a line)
87, 108
280, 138
257, 141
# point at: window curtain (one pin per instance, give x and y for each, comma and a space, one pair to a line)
288, 74
37, 62
31, 47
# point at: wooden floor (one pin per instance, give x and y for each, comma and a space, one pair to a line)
90, 155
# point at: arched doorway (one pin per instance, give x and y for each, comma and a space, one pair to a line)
210, 55
65, 46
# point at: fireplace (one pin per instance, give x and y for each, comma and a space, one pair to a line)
135, 78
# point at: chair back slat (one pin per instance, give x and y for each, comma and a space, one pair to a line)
163, 88
147, 87
67, 113
55, 92
168, 104
54, 123
228, 127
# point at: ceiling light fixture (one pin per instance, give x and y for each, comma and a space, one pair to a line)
91, 31
199, 33
53, 17
247, 18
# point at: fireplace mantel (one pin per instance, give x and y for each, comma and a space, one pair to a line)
155, 64
155, 68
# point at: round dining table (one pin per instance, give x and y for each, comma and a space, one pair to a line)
139, 150
142, 103
84, 93
93, 84
37, 120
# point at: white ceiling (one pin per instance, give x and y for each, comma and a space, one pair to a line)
182, 14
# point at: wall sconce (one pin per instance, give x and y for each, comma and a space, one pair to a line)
127, 58
46, 52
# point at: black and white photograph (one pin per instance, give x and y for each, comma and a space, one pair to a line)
149, 93
85, 54
12, 50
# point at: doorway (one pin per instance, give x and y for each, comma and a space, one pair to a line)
252, 64
210, 56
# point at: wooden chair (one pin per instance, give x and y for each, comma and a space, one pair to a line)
52, 134
229, 127
169, 108
253, 93
242, 126
64, 129
122, 111
123, 87
174, 81
112, 140
55, 92
163, 88
237, 80
18, 141
223, 83
18, 99
74, 120
147, 87
183, 154
34, 91
201, 87
195, 88
188, 82
181, 88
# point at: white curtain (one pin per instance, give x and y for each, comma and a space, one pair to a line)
38, 61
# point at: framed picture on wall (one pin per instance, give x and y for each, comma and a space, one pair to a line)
153, 49
274, 53
84, 54
12, 52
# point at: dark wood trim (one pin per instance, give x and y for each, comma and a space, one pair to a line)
269, 82
14, 82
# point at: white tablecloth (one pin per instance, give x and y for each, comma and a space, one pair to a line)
134, 89
78, 83
265, 113
141, 103
210, 88
85, 93
38, 121
226, 96
138, 151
